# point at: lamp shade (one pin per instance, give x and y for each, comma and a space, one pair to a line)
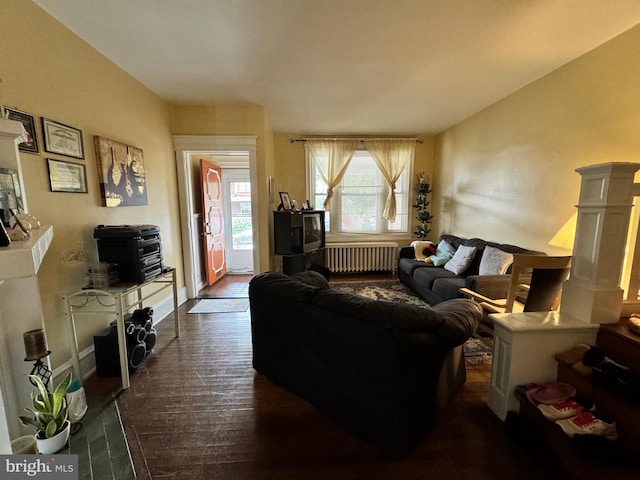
566, 235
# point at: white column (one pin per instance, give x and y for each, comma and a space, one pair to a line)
20, 303
524, 351
20, 311
592, 293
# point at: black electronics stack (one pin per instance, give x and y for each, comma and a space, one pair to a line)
141, 338
136, 249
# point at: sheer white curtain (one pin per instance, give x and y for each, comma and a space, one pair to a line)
332, 158
392, 157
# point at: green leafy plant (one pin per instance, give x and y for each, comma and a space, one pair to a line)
421, 205
50, 409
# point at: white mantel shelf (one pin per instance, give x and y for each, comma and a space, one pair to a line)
23, 259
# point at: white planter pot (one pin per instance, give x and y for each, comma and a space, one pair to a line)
54, 444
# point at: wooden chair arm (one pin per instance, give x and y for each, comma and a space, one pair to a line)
501, 303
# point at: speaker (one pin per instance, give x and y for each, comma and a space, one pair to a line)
150, 340
142, 317
136, 356
133, 332
143, 313
106, 350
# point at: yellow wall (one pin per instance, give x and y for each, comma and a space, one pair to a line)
508, 173
49, 72
236, 120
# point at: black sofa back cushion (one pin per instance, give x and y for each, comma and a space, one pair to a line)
284, 286
387, 314
453, 321
480, 245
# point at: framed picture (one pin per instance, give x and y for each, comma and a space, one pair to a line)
286, 201
67, 176
10, 194
31, 145
121, 173
62, 139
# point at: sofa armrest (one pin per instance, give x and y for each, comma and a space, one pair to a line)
406, 252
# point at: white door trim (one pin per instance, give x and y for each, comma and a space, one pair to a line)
184, 145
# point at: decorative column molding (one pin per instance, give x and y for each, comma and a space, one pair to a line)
20, 302
592, 293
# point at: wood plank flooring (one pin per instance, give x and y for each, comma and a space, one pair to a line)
197, 410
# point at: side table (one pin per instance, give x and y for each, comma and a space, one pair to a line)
116, 300
524, 349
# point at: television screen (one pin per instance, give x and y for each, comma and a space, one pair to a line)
312, 232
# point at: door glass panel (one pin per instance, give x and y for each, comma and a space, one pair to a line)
241, 232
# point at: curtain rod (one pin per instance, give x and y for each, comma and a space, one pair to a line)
361, 140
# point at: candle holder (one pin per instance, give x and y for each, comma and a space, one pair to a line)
41, 369
35, 345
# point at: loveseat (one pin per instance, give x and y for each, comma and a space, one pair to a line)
436, 283
382, 369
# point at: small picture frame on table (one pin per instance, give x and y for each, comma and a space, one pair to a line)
285, 201
10, 194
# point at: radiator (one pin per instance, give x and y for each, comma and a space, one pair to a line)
361, 257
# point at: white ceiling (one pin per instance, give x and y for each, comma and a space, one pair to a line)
344, 66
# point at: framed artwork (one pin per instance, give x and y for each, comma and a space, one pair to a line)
31, 145
62, 139
67, 176
121, 173
10, 194
286, 201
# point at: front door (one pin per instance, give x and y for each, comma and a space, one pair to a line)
212, 221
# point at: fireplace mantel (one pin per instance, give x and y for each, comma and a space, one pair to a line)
20, 303
20, 311
23, 259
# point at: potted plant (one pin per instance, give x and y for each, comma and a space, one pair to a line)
49, 415
424, 217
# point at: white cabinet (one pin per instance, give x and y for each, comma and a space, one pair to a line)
524, 351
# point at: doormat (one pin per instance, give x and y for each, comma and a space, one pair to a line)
221, 305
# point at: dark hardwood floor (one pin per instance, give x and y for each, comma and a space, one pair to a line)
197, 410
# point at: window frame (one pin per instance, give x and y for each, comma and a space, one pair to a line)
334, 235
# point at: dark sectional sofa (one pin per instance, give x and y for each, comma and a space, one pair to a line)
436, 284
383, 369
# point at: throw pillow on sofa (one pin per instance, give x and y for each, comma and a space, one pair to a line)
422, 249
494, 261
444, 253
461, 259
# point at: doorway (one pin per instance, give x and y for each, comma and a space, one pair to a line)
236, 192
227, 152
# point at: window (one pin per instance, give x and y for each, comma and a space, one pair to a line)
242, 233
360, 199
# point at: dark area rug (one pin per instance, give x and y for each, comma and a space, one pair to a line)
390, 290
475, 351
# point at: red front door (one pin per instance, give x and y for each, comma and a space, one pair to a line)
212, 221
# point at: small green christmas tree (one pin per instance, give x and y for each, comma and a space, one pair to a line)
424, 217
